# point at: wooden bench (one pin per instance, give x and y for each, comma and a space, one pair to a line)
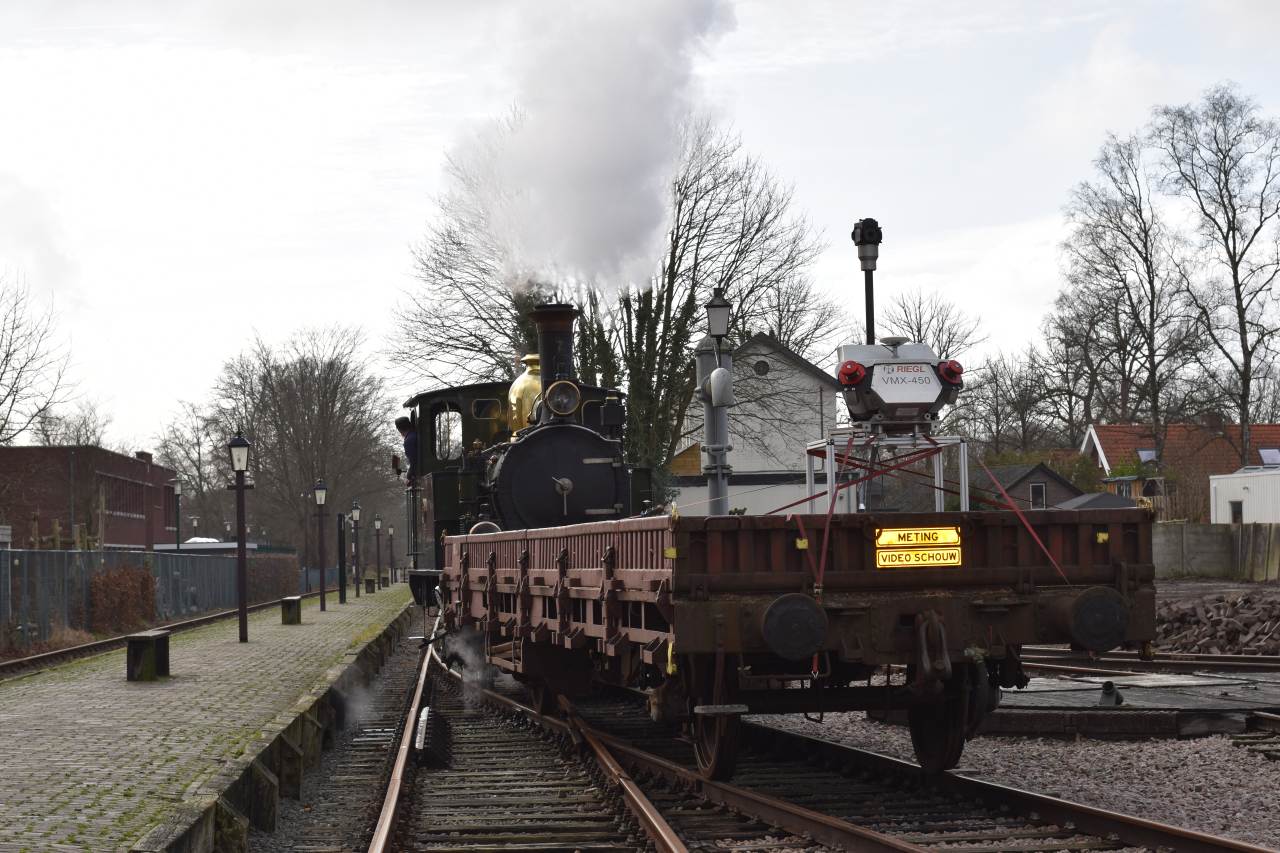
147, 657
291, 610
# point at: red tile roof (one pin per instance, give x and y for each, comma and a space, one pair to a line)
1189, 447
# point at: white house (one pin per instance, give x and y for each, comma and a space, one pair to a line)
783, 402
1250, 495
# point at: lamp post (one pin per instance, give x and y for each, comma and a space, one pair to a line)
715, 388
391, 550
355, 545
342, 558
377, 549
227, 524
177, 515
321, 490
195, 526
355, 581
238, 447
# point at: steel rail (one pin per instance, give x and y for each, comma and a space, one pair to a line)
1053, 667
656, 827
391, 802
110, 643
1131, 831
1163, 660
795, 819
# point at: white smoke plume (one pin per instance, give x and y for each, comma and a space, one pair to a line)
602, 86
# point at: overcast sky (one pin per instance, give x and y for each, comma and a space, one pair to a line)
177, 177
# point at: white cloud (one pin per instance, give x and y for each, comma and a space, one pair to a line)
1112, 90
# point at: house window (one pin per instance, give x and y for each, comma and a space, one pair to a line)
1038, 496
1124, 490
1237, 512
1270, 455
1146, 454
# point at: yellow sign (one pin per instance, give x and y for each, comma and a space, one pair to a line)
917, 537
917, 547
917, 558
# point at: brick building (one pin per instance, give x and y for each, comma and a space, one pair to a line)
1175, 485
123, 502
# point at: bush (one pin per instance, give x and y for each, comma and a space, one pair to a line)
122, 599
272, 576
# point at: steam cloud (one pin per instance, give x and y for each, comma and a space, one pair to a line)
603, 85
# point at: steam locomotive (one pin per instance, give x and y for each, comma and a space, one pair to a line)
542, 451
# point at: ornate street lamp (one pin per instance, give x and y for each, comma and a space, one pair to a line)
321, 490
718, 309
342, 558
377, 549
177, 514
355, 545
238, 448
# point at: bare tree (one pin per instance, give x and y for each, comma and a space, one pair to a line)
33, 363
1223, 158
732, 226
1126, 281
311, 408
86, 424
933, 320
1003, 405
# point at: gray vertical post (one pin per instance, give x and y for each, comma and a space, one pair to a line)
715, 429
809, 487
964, 477
829, 465
939, 496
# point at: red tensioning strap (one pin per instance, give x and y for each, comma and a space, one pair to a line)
924, 454
1024, 521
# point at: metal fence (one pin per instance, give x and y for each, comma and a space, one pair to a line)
42, 592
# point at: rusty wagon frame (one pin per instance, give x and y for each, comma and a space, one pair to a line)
697, 608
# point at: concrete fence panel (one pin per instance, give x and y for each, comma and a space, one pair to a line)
1235, 551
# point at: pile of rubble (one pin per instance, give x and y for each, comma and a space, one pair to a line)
1246, 623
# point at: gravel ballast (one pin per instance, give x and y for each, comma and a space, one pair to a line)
1205, 784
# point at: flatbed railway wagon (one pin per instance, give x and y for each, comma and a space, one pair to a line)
722, 616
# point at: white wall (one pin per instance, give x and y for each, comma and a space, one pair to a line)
757, 500
1258, 491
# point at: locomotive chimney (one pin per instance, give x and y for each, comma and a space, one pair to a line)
555, 342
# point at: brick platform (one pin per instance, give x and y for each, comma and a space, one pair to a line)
93, 762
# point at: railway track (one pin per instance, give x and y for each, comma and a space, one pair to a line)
32, 664
1128, 663
339, 804
599, 772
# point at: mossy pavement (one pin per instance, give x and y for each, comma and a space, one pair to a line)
92, 761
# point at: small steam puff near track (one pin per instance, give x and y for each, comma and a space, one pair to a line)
602, 88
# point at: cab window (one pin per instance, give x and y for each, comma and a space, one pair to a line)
447, 422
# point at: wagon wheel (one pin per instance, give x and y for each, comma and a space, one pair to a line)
938, 728
715, 738
715, 743
543, 697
